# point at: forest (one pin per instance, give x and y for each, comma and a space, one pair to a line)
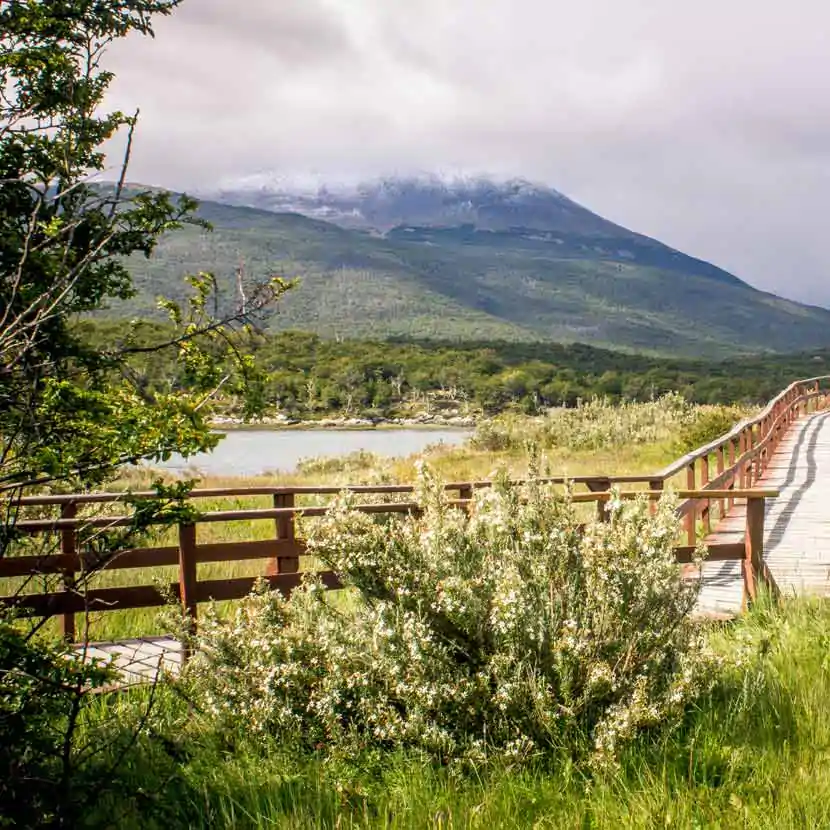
304, 376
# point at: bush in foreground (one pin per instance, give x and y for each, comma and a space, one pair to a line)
750, 753
508, 635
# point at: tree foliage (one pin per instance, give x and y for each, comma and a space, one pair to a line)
305, 377
71, 414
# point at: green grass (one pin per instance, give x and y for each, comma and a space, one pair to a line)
753, 754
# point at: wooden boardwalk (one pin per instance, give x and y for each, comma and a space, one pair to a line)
796, 547
136, 661
796, 524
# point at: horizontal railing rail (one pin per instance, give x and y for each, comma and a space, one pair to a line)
592, 482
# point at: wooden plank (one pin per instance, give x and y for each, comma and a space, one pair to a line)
286, 530
95, 599
716, 552
333, 489
11, 566
68, 555
132, 558
225, 589
691, 509
254, 514
754, 561
240, 551
143, 558
187, 568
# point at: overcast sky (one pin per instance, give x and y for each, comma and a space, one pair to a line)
705, 124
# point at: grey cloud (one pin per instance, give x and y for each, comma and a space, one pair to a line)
289, 30
706, 125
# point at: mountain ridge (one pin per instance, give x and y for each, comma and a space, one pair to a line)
513, 205
465, 281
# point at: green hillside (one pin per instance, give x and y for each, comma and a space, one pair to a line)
462, 283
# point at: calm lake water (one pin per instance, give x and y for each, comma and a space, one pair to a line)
250, 452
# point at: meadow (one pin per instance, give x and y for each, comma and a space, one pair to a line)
750, 753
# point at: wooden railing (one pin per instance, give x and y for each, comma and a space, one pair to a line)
742, 455
740, 458
283, 552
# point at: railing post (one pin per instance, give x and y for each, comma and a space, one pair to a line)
656, 486
465, 493
763, 455
602, 485
69, 549
707, 507
741, 451
691, 516
731, 502
286, 532
720, 461
754, 557
187, 573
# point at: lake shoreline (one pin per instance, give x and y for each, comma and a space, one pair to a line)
256, 450
349, 425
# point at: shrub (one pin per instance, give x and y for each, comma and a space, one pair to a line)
356, 461
494, 435
43, 772
593, 425
709, 423
505, 635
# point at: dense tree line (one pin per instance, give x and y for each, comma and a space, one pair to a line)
307, 376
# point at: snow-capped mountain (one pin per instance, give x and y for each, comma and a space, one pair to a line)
425, 201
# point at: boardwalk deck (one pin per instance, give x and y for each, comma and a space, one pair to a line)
797, 523
136, 661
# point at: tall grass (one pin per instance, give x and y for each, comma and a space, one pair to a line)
753, 754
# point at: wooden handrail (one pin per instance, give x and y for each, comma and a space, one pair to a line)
285, 547
254, 513
679, 464
314, 490
756, 439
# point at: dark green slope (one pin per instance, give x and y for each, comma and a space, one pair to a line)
460, 282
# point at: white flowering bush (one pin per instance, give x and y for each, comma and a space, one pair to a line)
503, 634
